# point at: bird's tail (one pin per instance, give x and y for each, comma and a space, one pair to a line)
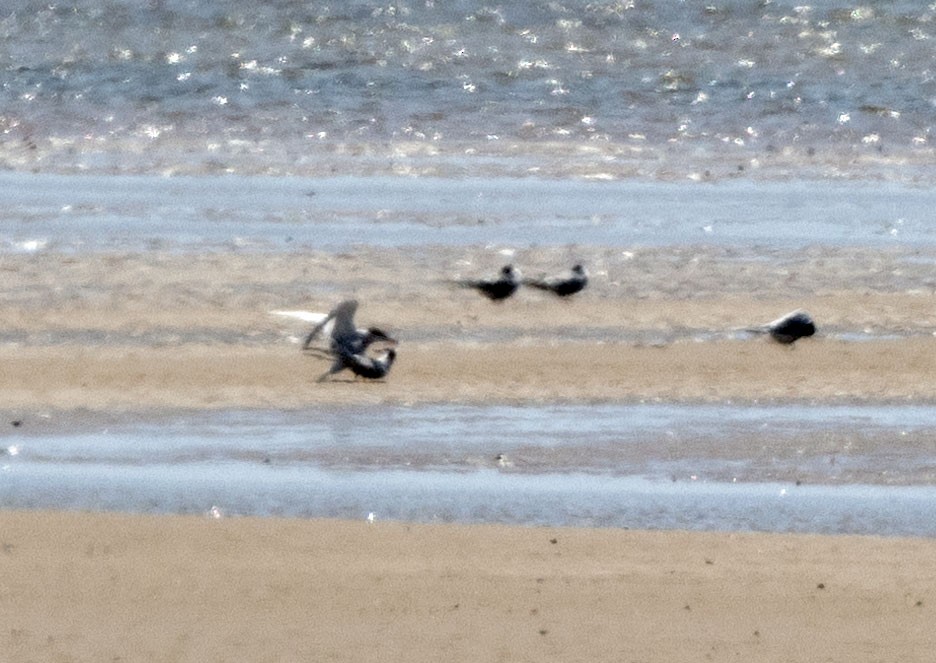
464, 283
536, 283
760, 329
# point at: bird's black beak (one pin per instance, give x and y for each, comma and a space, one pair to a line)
382, 336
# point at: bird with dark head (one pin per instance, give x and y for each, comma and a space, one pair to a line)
496, 289
362, 365
347, 344
372, 368
562, 285
789, 328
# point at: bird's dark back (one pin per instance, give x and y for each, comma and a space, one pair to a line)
497, 290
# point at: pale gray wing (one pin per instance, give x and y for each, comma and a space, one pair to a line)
343, 315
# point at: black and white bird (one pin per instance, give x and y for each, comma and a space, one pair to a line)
342, 334
564, 285
362, 365
497, 289
789, 328
346, 343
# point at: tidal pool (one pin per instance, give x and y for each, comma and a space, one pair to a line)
803, 468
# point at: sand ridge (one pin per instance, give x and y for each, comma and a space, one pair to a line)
156, 330
65, 377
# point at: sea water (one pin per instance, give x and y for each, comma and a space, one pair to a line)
224, 213
591, 88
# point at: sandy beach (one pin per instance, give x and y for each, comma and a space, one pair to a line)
135, 333
81, 587
174, 174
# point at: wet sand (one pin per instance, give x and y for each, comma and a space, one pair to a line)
119, 587
136, 333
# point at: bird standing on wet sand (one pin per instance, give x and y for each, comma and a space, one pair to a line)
789, 328
564, 285
498, 289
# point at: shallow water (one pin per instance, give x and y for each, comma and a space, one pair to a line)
657, 89
42, 213
828, 469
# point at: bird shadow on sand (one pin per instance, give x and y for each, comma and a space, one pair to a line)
352, 381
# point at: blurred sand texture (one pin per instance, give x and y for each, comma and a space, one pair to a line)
150, 330
81, 587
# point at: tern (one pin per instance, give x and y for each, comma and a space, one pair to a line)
343, 336
789, 328
362, 365
502, 287
564, 285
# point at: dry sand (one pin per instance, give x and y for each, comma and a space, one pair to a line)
122, 378
143, 588
139, 333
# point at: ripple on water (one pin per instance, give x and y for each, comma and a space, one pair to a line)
856, 469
